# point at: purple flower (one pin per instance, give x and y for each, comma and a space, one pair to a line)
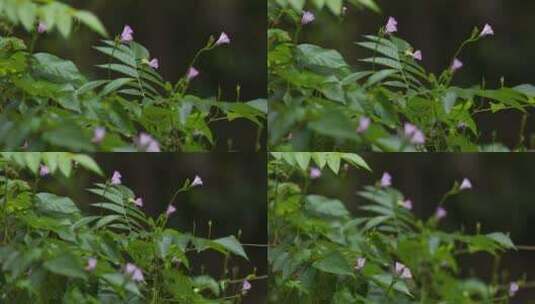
44, 170
466, 184
386, 180
407, 204
315, 173
116, 178
197, 181
246, 286
223, 39
391, 25
170, 210
406, 274
135, 273
91, 264
98, 135
415, 136
487, 31
417, 55
456, 65
307, 18
147, 143
364, 124
42, 27
127, 34
513, 289
154, 63
360, 263
153, 147
440, 213
403, 271
192, 73
138, 202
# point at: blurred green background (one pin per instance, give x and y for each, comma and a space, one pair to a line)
174, 31
437, 27
501, 199
233, 197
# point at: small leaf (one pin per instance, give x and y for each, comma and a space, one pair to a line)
233, 245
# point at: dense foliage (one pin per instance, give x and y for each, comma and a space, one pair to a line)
389, 102
320, 252
47, 104
50, 252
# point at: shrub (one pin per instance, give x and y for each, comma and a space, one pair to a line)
320, 252
390, 102
50, 252
48, 104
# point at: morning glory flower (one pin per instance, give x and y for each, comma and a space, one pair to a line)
406, 274
364, 124
246, 286
192, 73
440, 213
403, 271
42, 27
44, 170
415, 136
147, 143
360, 263
391, 25
98, 135
170, 210
487, 31
154, 63
307, 18
116, 178
466, 184
127, 34
417, 55
315, 173
407, 204
456, 65
153, 147
223, 39
91, 264
135, 273
386, 180
197, 181
138, 202
513, 289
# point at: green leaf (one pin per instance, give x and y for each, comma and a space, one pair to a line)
334, 263
335, 6
314, 55
27, 13
56, 205
115, 85
67, 265
297, 4
502, 239
91, 21
325, 207
88, 163
233, 245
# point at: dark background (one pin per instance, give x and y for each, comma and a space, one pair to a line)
233, 198
501, 199
174, 31
438, 27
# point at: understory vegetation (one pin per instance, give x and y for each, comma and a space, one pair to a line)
321, 252
47, 104
51, 251
389, 102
